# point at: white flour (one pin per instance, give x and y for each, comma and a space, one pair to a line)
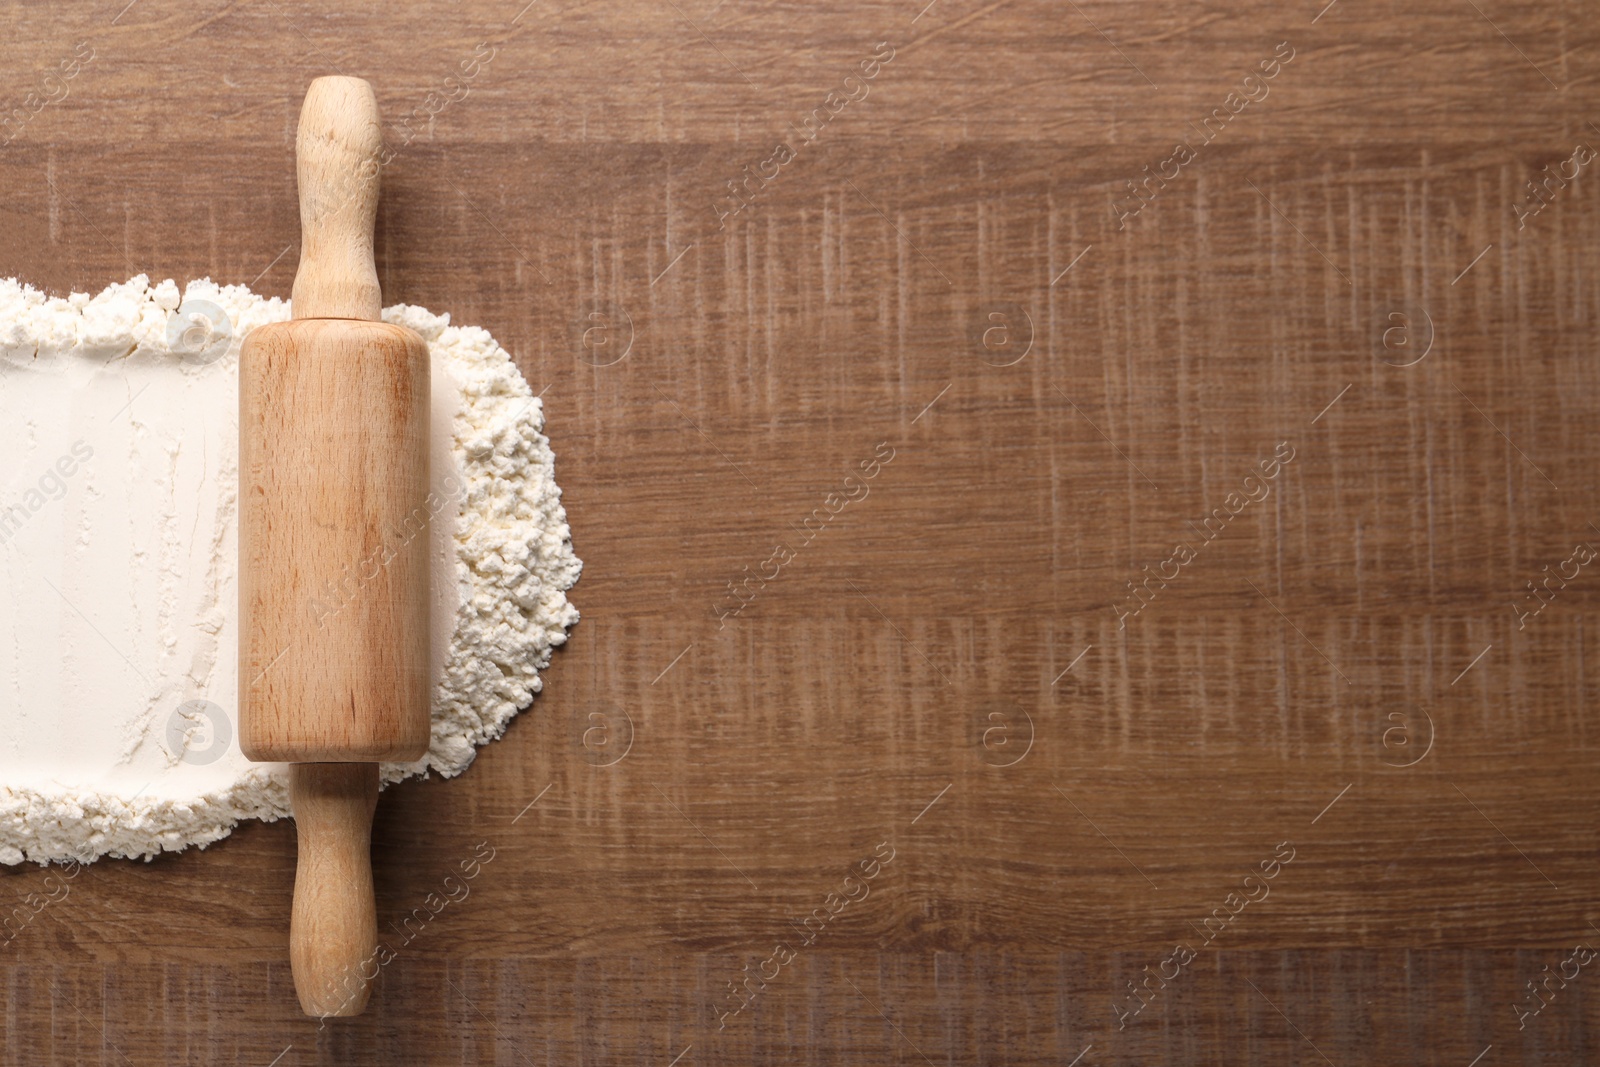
119, 443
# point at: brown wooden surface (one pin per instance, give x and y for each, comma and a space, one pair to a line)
848, 704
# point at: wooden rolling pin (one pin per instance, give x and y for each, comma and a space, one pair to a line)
333, 547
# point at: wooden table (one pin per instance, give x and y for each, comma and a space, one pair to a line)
941, 279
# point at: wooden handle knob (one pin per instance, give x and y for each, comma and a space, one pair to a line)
337, 159
333, 933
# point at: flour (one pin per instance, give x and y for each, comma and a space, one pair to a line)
119, 560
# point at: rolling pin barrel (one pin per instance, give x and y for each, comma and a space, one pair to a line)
333, 534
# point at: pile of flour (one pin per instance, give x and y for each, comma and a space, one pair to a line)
119, 446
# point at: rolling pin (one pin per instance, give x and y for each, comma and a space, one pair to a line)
333, 567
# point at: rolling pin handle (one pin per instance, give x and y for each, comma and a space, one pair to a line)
333, 931
337, 159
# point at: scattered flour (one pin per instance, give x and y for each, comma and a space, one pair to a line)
119, 555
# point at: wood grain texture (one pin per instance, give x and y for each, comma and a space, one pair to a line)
333, 931
688, 788
338, 156
334, 509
